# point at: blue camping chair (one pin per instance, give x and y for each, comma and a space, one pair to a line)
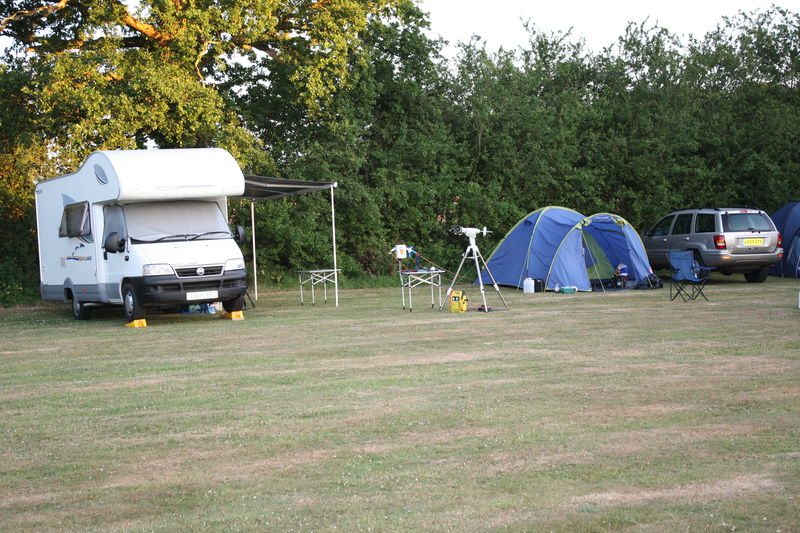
686, 273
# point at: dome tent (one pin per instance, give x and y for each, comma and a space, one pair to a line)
787, 221
564, 248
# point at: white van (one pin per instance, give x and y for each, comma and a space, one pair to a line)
142, 228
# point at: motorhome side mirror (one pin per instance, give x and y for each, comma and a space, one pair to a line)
113, 243
239, 235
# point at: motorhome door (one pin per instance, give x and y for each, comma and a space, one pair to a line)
115, 263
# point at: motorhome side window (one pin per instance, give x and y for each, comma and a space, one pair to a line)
114, 218
75, 221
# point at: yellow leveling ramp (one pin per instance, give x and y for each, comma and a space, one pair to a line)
139, 323
234, 315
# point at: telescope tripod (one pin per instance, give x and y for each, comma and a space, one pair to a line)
473, 252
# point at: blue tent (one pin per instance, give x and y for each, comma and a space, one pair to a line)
787, 220
564, 248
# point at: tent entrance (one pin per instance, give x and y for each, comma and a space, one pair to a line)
599, 269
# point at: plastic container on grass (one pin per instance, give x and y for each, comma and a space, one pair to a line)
528, 286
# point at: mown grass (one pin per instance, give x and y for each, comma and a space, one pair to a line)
588, 412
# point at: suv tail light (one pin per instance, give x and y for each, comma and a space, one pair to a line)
719, 242
780, 240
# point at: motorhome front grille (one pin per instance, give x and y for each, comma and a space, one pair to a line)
191, 272
200, 285
166, 287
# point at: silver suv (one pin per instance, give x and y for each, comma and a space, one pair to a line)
731, 239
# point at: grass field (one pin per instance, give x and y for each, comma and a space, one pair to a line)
587, 412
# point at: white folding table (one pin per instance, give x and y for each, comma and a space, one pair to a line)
315, 277
413, 278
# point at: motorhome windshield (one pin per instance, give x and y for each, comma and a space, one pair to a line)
175, 221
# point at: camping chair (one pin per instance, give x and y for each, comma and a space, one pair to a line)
687, 273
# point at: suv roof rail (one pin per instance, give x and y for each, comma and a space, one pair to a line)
717, 208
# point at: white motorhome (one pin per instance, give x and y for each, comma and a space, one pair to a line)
142, 228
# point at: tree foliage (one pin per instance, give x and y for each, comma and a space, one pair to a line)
353, 91
646, 126
86, 75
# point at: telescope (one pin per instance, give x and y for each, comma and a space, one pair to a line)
473, 253
471, 233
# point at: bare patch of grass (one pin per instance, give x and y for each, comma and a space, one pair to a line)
567, 413
722, 489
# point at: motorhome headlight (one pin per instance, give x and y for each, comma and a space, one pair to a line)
234, 264
157, 270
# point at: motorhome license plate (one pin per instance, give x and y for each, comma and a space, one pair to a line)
202, 295
753, 242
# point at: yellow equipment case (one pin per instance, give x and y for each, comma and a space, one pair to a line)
458, 301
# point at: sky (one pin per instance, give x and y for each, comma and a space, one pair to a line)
599, 23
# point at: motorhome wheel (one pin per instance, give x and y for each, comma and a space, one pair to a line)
80, 310
133, 308
235, 304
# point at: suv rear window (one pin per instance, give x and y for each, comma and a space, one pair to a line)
746, 222
704, 223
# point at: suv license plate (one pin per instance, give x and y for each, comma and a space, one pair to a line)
202, 295
752, 242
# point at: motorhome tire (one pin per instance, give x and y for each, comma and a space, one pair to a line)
132, 307
234, 304
80, 310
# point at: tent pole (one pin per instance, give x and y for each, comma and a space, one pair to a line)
526, 267
596, 270
333, 238
630, 255
253, 237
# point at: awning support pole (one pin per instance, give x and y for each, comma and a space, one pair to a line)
333, 233
253, 231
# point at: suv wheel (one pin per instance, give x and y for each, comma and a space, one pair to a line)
705, 274
757, 276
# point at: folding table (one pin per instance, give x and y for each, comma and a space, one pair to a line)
315, 277
413, 278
